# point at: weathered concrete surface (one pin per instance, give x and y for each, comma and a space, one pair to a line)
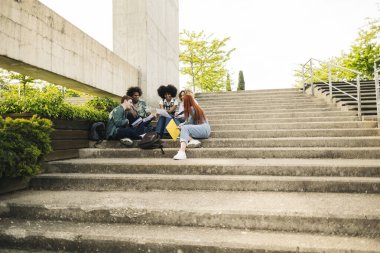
94, 237
146, 34
144, 182
332, 213
207, 166
36, 41
285, 152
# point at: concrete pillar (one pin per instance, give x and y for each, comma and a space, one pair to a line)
146, 35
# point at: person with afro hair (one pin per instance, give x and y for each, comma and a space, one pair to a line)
167, 102
139, 107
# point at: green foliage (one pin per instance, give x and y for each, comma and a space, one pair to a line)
241, 82
47, 103
228, 82
104, 104
23, 145
204, 60
363, 52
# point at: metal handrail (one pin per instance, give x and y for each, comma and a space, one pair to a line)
330, 65
377, 89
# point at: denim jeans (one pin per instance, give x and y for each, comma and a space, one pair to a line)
161, 124
132, 132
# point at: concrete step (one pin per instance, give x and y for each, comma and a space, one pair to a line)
276, 91
283, 114
294, 120
305, 125
269, 167
289, 133
149, 182
327, 213
263, 106
286, 152
220, 102
249, 94
365, 141
246, 100
95, 237
236, 110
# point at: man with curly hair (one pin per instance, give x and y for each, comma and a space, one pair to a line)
135, 93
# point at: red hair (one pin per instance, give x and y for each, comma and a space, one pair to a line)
199, 115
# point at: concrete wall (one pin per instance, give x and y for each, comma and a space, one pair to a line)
36, 41
146, 34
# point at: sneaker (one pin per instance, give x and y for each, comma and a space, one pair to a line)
181, 155
126, 141
194, 144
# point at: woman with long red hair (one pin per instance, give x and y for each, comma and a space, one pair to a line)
195, 126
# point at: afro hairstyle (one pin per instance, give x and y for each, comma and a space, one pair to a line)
172, 90
134, 89
161, 91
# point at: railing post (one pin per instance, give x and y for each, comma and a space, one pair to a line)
359, 97
377, 92
330, 84
303, 80
311, 77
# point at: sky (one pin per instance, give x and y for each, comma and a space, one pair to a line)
271, 37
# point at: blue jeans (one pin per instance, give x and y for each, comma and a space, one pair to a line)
161, 124
202, 131
131, 132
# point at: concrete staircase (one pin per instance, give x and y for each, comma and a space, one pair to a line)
282, 172
347, 103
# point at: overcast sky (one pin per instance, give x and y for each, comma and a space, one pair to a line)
271, 37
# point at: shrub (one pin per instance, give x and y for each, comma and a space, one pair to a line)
104, 104
23, 145
48, 104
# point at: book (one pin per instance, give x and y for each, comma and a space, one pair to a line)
137, 122
173, 129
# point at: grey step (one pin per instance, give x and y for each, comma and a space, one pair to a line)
149, 182
207, 166
259, 100
276, 91
284, 120
254, 102
372, 141
94, 237
263, 106
234, 110
332, 213
307, 152
283, 114
236, 125
288, 133
248, 94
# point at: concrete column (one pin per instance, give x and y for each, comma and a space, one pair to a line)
146, 35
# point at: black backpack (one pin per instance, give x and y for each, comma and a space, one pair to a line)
97, 132
151, 140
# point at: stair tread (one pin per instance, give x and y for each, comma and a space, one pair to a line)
300, 204
212, 177
184, 237
227, 162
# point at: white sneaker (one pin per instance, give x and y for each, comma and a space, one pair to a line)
126, 141
194, 144
181, 155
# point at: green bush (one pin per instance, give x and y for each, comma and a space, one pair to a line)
23, 145
104, 104
48, 103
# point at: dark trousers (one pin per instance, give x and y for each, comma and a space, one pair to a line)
132, 132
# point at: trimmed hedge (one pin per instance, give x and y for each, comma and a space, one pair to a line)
23, 145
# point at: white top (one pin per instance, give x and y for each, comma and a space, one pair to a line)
167, 105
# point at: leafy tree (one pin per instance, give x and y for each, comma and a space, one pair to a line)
204, 60
241, 83
363, 52
228, 82
23, 79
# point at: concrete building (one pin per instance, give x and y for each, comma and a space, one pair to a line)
36, 41
146, 35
